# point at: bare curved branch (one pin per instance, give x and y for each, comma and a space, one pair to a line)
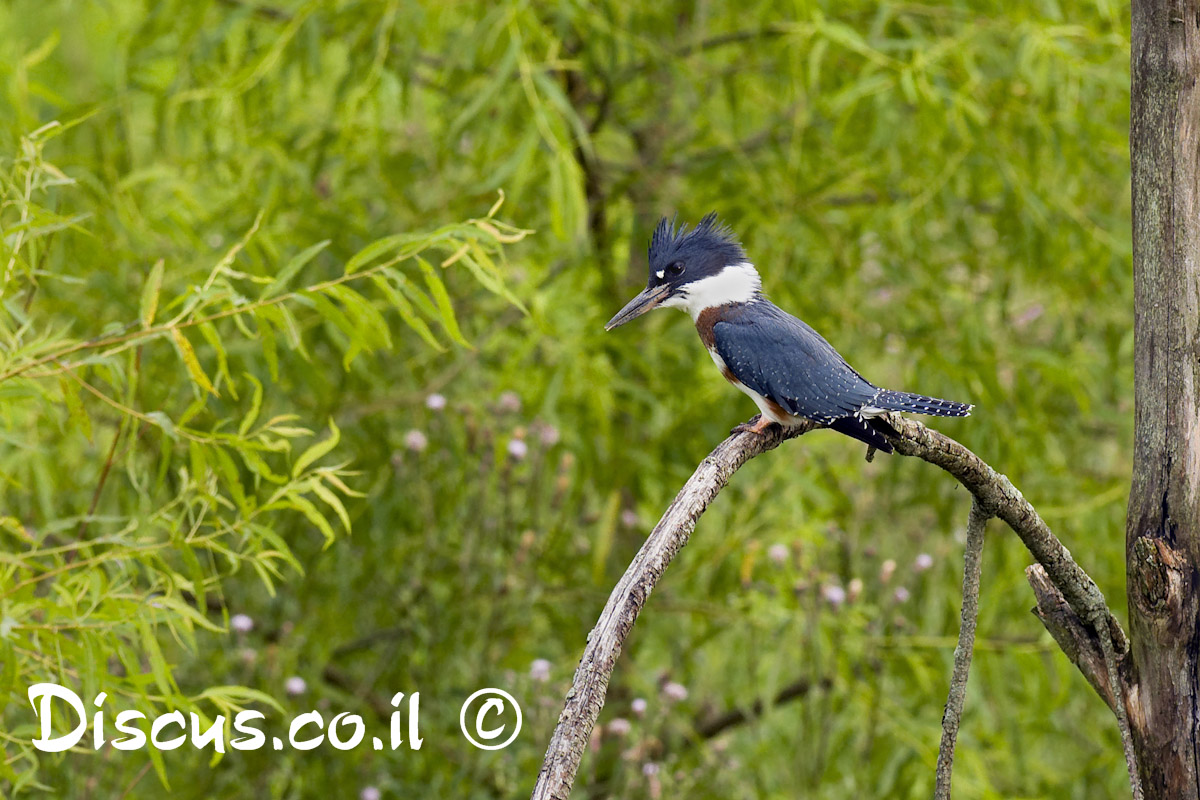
994, 495
586, 696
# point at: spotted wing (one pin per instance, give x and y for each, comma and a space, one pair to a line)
782, 358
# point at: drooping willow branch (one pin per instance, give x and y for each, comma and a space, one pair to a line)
993, 493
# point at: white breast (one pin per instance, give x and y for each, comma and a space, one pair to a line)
759, 400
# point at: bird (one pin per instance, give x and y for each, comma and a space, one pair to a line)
788, 369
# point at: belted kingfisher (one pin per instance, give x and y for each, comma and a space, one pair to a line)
785, 366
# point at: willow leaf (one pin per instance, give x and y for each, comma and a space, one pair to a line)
191, 362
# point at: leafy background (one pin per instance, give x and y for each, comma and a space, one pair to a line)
247, 247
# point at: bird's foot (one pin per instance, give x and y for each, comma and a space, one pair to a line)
758, 425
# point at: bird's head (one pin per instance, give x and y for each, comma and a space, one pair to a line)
693, 270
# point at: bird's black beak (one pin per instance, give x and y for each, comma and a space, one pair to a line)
646, 301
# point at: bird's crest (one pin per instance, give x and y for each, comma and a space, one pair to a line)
710, 233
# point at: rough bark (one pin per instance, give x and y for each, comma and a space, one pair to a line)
1078, 641
1163, 525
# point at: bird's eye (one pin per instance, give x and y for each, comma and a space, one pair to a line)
676, 268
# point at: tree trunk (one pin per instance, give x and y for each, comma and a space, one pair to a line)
1163, 527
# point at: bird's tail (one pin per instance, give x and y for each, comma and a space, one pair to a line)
920, 404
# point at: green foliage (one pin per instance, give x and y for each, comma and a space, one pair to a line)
228, 226
207, 481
